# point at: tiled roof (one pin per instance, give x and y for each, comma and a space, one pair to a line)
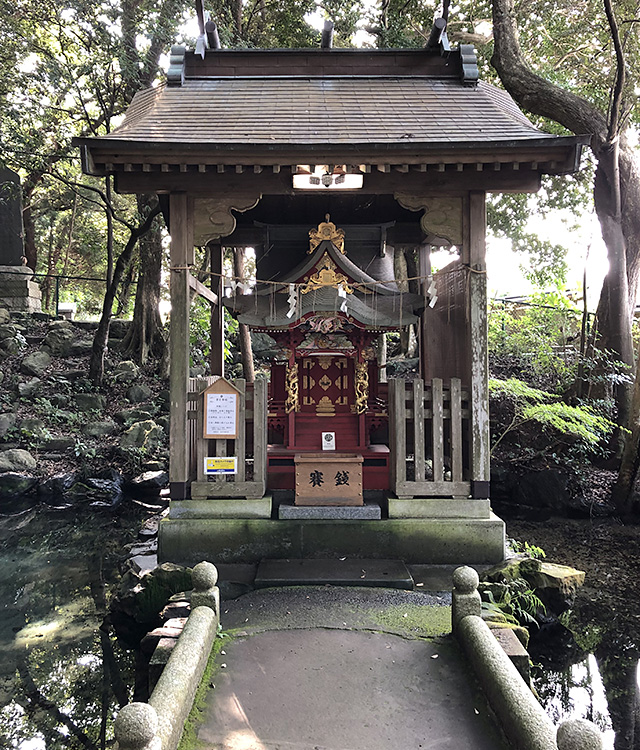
340, 111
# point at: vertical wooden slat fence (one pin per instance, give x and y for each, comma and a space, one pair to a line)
251, 478
429, 438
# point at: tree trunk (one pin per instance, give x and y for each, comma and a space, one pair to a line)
101, 337
244, 335
620, 226
145, 336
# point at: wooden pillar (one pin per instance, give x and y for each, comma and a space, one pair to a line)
424, 270
216, 347
480, 435
181, 216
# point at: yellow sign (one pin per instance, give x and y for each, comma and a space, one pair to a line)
221, 465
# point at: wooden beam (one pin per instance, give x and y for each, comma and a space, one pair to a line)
181, 209
480, 435
202, 290
216, 351
268, 183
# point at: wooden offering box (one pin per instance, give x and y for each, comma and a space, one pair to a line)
328, 479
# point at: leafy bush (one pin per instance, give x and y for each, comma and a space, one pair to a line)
578, 430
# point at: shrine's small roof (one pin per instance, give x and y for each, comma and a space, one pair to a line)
354, 272
373, 311
278, 112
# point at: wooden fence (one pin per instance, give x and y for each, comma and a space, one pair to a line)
429, 431
250, 447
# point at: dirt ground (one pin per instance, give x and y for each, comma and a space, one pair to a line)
608, 552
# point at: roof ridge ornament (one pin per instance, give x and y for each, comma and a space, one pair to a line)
326, 231
469, 72
175, 73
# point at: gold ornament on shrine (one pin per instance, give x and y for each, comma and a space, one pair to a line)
326, 275
326, 231
292, 402
361, 387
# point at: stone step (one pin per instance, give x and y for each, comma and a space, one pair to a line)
336, 572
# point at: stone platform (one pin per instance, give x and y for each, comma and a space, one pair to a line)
249, 540
347, 572
366, 512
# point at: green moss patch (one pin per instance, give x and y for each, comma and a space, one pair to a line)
419, 621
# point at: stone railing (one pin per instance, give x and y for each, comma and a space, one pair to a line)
523, 719
158, 724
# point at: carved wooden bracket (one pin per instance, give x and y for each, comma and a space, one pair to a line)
442, 218
214, 218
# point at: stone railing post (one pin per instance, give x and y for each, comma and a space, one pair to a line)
135, 727
579, 734
465, 599
206, 593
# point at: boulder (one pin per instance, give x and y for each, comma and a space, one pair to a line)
145, 434
60, 443
34, 427
36, 363
89, 402
96, 491
14, 484
29, 388
55, 487
7, 422
59, 339
5, 316
126, 372
80, 348
98, 429
118, 328
149, 483
16, 459
139, 393
135, 414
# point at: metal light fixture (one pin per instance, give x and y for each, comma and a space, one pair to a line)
326, 177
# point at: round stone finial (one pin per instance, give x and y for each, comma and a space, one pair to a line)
465, 580
204, 576
579, 734
135, 726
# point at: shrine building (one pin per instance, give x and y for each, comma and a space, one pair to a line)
331, 164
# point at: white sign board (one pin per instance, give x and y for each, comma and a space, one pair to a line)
328, 441
220, 413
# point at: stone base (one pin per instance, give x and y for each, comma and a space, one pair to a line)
227, 507
367, 512
438, 507
349, 572
428, 541
18, 291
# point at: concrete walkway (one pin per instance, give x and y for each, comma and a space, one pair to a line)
333, 668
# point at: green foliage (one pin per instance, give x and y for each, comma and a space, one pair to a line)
531, 550
578, 427
518, 602
538, 336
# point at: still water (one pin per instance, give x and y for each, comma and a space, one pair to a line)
59, 673
62, 677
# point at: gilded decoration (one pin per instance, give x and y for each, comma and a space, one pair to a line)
361, 387
325, 407
330, 341
326, 323
326, 231
292, 402
326, 275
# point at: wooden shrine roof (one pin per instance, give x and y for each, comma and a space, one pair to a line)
376, 110
276, 112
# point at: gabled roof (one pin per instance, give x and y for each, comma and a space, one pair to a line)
350, 269
241, 111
